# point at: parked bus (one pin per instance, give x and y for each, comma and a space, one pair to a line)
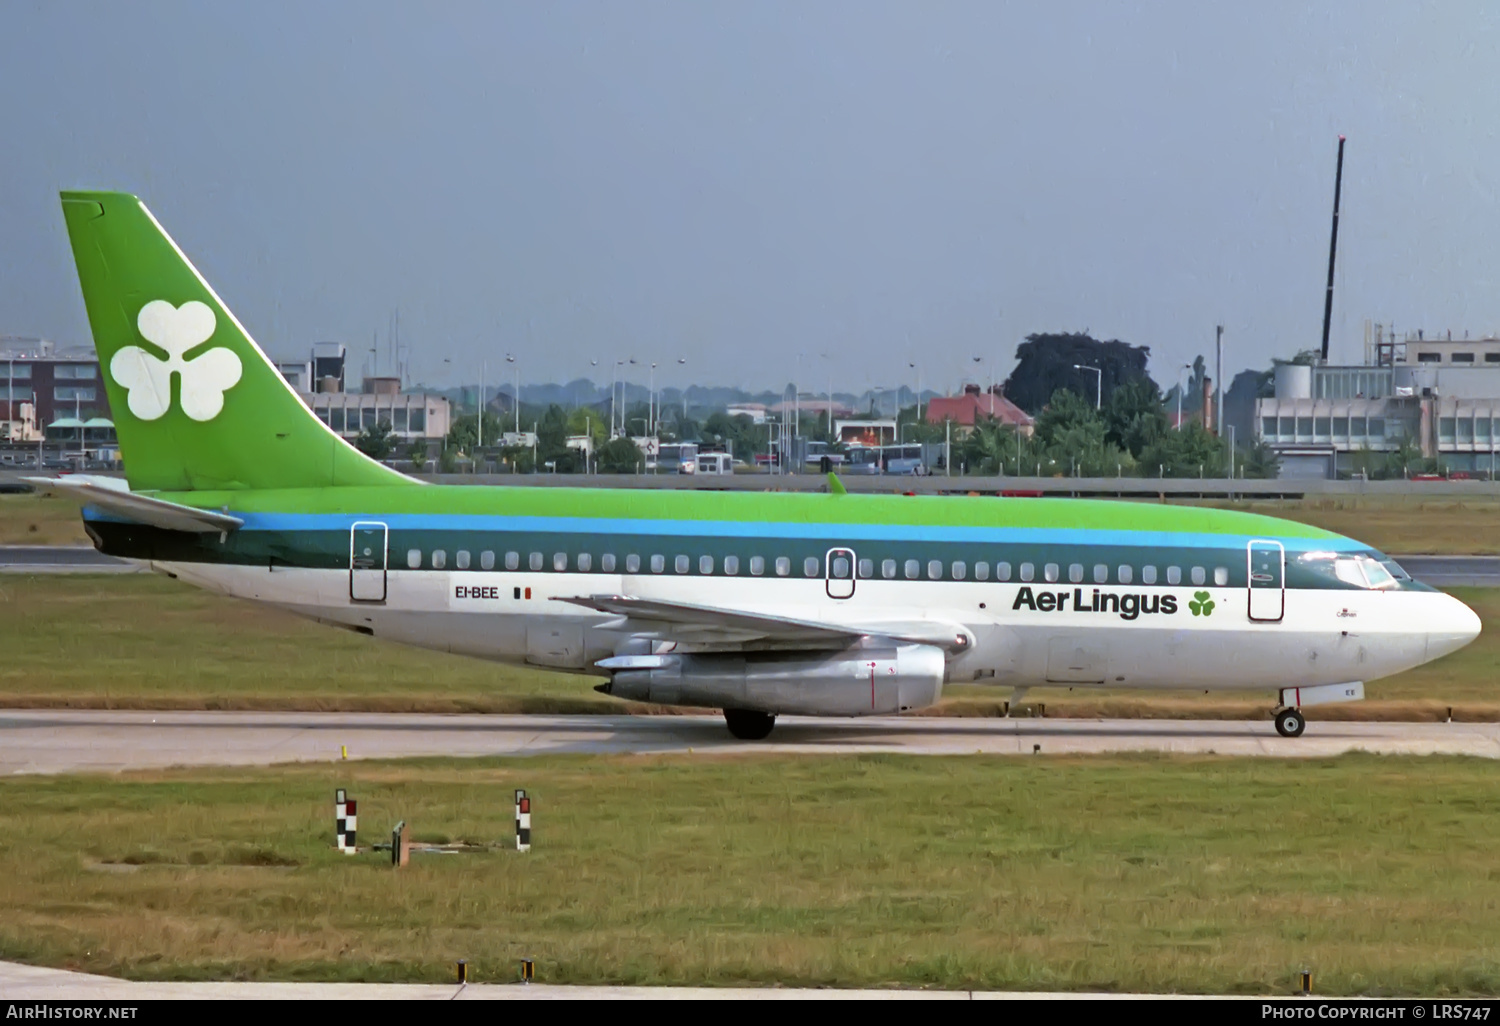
863, 459
676, 458
904, 459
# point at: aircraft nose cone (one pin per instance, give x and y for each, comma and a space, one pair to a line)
1454, 627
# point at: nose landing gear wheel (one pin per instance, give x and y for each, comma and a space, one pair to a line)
747, 725
1290, 723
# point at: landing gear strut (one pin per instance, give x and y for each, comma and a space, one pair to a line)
1290, 723
747, 725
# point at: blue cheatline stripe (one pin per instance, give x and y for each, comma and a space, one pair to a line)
311, 522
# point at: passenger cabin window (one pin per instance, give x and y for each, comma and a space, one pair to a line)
1148, 575
981, 571
840, 568
913, 569
535, 561
866, 568
1028, 572
486, 560
559, 561
1050, 573
960, 571
731, 565
1075, 573
461, 559
414, 559
512, 560
810, 566
632, 564
1198, 575
783, 566
439, 559
935, 569
680, 564
1125, 573
1221, 576
607, 562
1101, 573
888, 569
585, 562
1002, 572
705, 564
1174, 575
658, 563
757, 565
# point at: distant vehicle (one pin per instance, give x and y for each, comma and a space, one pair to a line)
819, 455
676, 458
904, 459
863, 459
715, 463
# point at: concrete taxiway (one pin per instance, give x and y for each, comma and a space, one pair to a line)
33, 983
61, 741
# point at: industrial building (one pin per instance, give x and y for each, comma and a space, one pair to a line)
320, 381
1434, 399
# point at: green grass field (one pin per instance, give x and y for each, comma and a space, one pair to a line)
1382, 875
40, 520
144, 641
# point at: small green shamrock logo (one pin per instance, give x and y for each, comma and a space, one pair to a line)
1201, 605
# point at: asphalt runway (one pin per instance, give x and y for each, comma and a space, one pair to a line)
62, 741
61, 559
1438, 571
1454, 571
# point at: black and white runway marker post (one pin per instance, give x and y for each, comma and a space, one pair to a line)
523, 822
343, 822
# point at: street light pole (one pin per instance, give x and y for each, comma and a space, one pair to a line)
512, 360
797, 403
1181, 386
651, 399
1098, 385
914, 367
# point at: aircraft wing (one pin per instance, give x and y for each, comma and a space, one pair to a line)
712, 625
141, 509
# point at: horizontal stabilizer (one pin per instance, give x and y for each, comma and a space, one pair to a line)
141, 509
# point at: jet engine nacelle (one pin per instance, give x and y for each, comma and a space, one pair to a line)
859, 682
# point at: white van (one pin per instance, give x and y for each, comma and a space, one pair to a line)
715, 463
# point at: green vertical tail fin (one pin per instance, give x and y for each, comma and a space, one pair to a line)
196, 404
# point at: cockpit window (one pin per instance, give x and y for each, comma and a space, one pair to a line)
1394, 569
1356, 571
1347, 569
1378, 575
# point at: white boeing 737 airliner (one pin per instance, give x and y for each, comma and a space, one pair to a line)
757, 604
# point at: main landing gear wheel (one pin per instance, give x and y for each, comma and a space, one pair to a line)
747, 725
1290, 723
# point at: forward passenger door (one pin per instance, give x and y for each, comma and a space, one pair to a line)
1267, 580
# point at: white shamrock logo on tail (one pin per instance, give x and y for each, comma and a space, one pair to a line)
147, 378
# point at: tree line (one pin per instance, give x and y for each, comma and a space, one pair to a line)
1113, 423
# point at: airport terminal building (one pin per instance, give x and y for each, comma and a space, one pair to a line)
1438, 399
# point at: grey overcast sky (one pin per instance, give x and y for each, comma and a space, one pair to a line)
741, 182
